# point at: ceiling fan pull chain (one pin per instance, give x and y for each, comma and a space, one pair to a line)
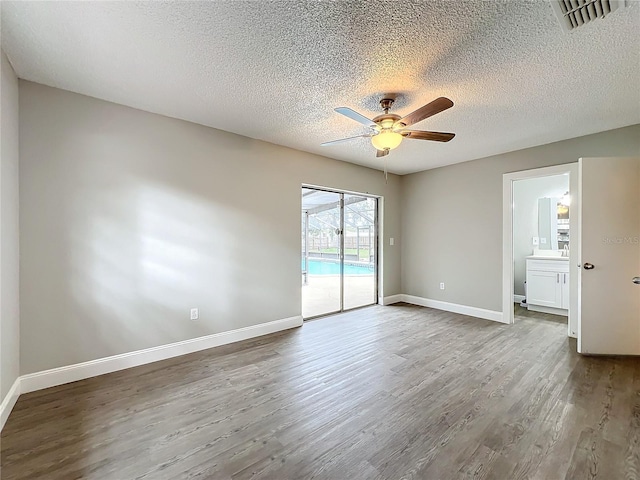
384, 162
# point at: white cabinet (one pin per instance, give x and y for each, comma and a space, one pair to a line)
543, 289
548, 285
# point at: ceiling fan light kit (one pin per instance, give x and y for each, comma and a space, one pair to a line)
386, 140
388, 129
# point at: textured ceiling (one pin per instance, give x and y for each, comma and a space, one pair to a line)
276, 70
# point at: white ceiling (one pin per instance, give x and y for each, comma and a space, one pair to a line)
276, 70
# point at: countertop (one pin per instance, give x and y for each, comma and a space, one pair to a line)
547, 257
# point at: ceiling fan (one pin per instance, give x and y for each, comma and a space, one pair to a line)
388, 129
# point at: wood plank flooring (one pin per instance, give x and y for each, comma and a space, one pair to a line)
399, 392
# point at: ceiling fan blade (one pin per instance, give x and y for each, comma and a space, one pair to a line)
353, 115
422, 135
426, 111
333, 142
382, 153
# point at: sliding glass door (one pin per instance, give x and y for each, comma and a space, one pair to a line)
359, 274
339, 251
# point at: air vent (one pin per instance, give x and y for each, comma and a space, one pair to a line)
574, 13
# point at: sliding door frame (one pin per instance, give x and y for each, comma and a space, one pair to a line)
376, 241
341, 258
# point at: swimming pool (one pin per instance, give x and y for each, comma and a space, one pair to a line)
323, 267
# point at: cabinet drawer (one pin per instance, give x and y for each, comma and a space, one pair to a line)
560, 266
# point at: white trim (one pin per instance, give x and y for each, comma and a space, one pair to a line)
454, 307
339, 190
554, 311
80, 371
9, 401
507, 247
391, 299
578, 258
507, 238
518, 298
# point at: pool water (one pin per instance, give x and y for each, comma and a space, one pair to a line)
319, 267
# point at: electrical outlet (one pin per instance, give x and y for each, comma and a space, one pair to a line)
194, 314
441, 285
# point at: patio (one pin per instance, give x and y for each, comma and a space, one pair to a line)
322, 293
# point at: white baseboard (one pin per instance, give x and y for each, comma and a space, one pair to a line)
554, 311
454, 307
80, 371
391, 299
9, 401
518, 298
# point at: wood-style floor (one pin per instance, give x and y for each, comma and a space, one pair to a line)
399, 392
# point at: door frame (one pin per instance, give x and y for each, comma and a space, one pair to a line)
574, 251
377, 226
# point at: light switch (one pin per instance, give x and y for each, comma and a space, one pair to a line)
535, 241
392, 241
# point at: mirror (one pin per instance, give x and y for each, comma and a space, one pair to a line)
553, 223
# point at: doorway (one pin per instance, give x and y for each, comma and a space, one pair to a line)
540, 244
339, 262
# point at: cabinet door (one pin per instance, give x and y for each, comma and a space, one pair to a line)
544, 288
564, 278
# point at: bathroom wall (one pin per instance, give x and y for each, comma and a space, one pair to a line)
525, 218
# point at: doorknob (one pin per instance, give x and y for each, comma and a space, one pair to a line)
636, 280
588, 266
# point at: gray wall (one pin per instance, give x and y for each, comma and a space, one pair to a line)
129, 219
9, 238
525, 218
452, 217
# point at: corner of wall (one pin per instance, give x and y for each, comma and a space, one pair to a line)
9, 240
8, 402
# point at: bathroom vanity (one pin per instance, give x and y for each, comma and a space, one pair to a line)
548, 284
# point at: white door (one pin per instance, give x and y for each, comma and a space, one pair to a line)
610, 256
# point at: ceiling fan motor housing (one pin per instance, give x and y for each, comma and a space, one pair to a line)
387, 120
386, 104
